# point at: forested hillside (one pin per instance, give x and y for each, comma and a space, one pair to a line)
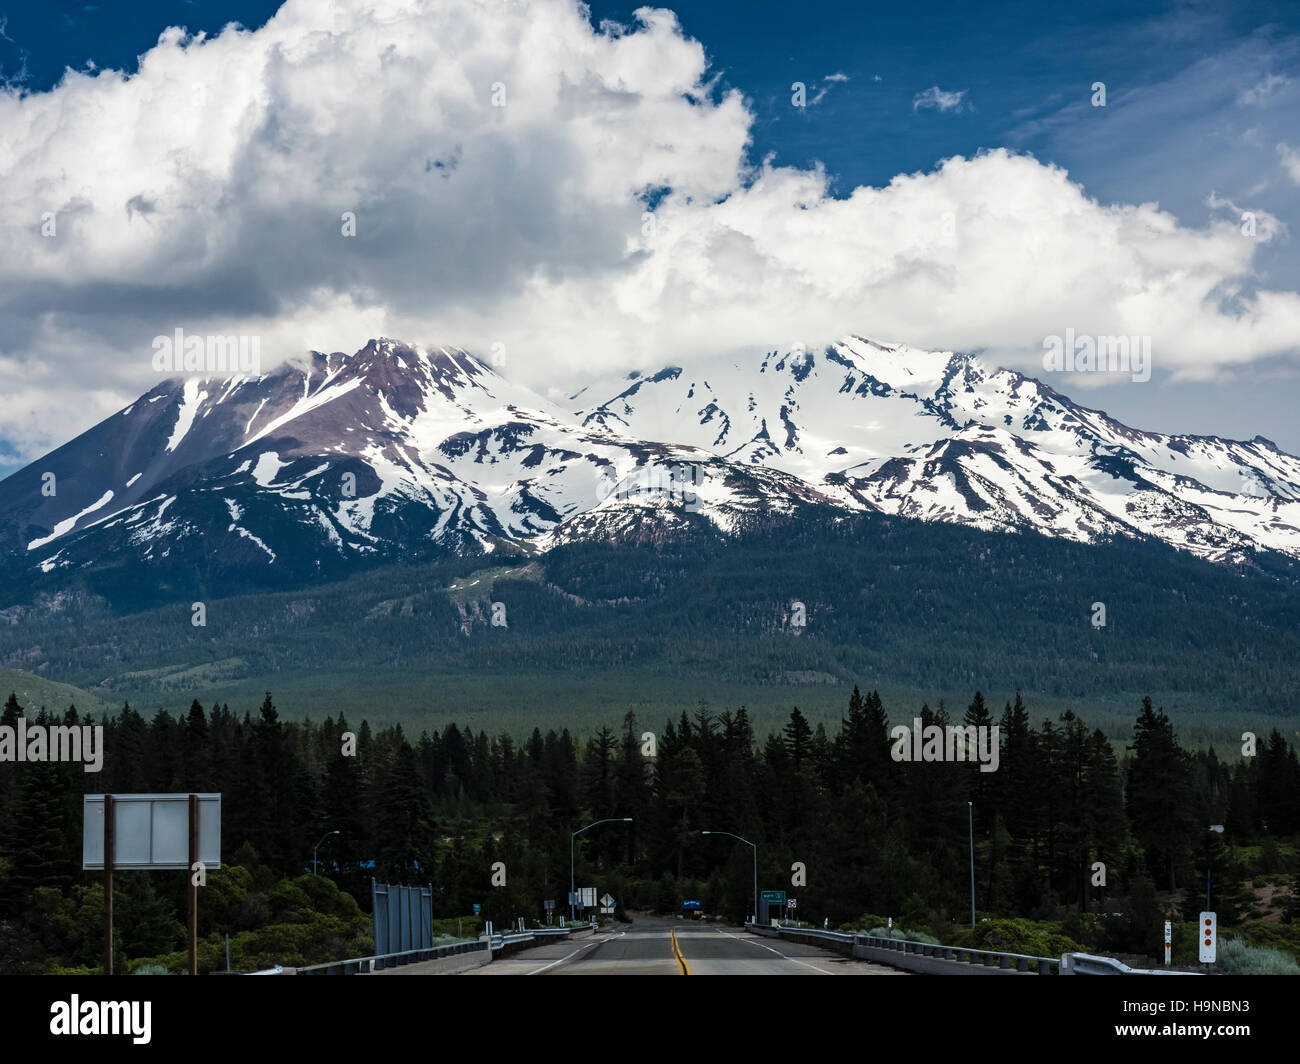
589, 629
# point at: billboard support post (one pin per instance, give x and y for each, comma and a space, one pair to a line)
109, 842
193, 888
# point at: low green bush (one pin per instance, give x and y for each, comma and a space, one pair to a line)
1241, 958
1283, 937
1035, 938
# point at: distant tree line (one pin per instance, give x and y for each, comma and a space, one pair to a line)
1062, 825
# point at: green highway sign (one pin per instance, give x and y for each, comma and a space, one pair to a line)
777, 896
477, 908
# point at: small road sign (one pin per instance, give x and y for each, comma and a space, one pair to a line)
1208, 941
477, 909
691, 904
607, 901
773, 897
548, 904
791, 903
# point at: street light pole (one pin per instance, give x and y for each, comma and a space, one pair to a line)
317, 847
573, 835
753, 918
970, 819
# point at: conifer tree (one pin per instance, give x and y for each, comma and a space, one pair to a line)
1159, 795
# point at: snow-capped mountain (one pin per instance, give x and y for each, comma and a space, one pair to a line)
942, 437
400, 452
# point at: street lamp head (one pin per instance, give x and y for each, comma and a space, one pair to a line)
627, 820
706, 833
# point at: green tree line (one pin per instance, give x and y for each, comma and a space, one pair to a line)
1063, 825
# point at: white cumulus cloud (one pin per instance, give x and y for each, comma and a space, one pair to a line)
582, 195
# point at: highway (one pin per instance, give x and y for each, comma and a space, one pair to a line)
658, 946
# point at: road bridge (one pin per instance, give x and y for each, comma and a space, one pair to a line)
659, 946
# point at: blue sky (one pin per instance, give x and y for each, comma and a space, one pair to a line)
1201, 118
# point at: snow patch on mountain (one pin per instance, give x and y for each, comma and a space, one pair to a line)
267, 468
65, 526
187, 409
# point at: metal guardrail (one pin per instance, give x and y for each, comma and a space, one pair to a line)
957, 954
813, 932
1067, 964
382, 961
1089, 964
985, 957
501, 939
379, 962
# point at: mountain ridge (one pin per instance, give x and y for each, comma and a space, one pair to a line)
400, 451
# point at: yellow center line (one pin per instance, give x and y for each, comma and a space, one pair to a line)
677, 952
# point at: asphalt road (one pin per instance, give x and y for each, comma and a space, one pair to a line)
650, 946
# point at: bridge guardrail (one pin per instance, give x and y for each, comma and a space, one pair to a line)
998, 960
502, 939
381, 961
987, 958
499, 941
813, 932
958, 955
1090, 964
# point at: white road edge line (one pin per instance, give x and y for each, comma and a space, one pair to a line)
573, 954
794, 960
562, 959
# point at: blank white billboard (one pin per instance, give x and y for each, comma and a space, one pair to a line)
151, 831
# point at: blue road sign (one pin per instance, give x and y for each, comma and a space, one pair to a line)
690, 905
